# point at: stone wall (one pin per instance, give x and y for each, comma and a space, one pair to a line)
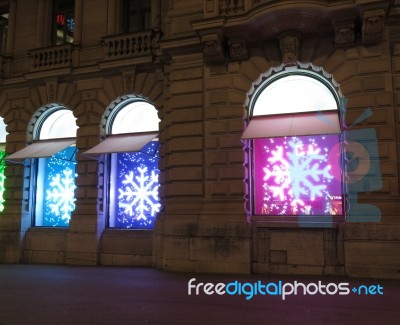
199, 73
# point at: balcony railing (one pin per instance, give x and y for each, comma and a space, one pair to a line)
59, 56
231, 7
130, 45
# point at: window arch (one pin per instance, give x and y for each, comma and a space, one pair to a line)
295, 135
131, 159
52, 157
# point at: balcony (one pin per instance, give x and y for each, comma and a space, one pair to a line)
51, 57
140, 46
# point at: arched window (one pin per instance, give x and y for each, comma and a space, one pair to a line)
295, 134
131, 148
3, 134
53, 158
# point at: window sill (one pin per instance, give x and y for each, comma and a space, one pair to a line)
297, 221
128, 232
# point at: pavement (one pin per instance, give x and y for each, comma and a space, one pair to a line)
55, 294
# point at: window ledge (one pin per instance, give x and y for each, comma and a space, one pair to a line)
128, 232
38, 229
297, 221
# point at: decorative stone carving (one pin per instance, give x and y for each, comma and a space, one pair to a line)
213, 49
128, 79
344, 34
237, 50
373, 26
51, 90
289, 44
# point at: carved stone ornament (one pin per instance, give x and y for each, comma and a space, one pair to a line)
344, 34
128, 79
51, 90
289, 45
213, 49
373, 27
237, 50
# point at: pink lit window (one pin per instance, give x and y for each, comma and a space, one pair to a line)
296, 142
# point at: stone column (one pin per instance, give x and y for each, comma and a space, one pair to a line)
87, 223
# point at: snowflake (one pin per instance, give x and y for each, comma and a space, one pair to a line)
61, 194
297, 172
305, 172
70, 24
140, 194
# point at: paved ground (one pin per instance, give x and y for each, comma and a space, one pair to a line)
42, 294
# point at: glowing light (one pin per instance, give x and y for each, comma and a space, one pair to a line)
134, 193
55, 195
60, 196
294, 176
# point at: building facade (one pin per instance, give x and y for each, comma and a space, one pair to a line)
203, 136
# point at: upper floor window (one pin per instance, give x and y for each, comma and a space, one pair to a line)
136, 15
63, 21
296, 141
3, 31
131, 148
52, 158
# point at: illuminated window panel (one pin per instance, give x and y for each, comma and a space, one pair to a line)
134, 185
292, 94
297, 176
55, 196
2, 178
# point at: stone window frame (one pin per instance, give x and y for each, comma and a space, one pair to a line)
31, 164
105, 159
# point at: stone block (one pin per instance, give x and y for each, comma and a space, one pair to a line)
374, 66
126, 242
303, 247
185, 174
295, 269
186, 159
372, 255
278, 257
187, 86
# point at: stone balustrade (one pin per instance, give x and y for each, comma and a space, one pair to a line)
129, 45
51, 57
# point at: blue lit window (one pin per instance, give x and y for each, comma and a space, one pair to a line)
52, 157
131, 149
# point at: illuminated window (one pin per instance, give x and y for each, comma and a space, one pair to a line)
63, 21
131, 152
3, 135
136, 15
296, 156
53, 158
3, 30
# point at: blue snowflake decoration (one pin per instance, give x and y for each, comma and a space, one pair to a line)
59, 188
135, 190
70, 24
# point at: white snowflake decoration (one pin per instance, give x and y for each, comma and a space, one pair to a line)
61, 195
294, 173
305, 172
140, 194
